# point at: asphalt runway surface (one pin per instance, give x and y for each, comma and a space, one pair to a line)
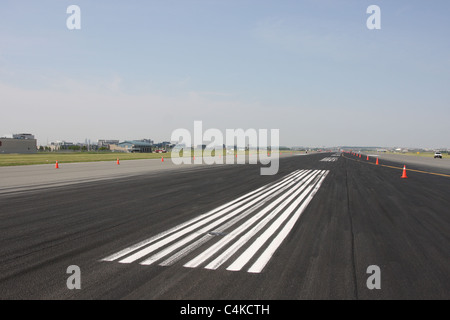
431, 164
24, 178
226, 232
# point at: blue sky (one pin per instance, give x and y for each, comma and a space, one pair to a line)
140, 69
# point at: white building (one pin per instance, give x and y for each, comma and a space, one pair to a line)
60, 145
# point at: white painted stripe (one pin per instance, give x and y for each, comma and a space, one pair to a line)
177, 256
236, 208
259, 265
240, 262
182, 253
213, 249
221, 228
255, 204
250, 234
329, 159
205, 215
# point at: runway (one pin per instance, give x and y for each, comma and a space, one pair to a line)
34, 177
226, 232
299, 186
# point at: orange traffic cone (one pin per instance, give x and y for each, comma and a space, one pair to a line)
367, 158
56, 165
377, 162
118, 162
162, 159
404, 173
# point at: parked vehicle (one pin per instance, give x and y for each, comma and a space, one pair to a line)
438, 155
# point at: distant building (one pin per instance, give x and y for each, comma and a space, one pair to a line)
60, 145
25, 136
18, 143
165, 145
150, 141
132, 147
106, 143
19, 136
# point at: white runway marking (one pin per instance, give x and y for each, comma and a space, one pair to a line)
330, 159
247, 223
159, 236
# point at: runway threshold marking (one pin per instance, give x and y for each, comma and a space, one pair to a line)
244, 232
401, 168
330, 159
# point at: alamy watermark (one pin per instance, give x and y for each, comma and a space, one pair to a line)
213, 144
374, 280
73, 281
374, 20
73, 22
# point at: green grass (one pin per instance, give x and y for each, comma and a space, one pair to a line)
52, 157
